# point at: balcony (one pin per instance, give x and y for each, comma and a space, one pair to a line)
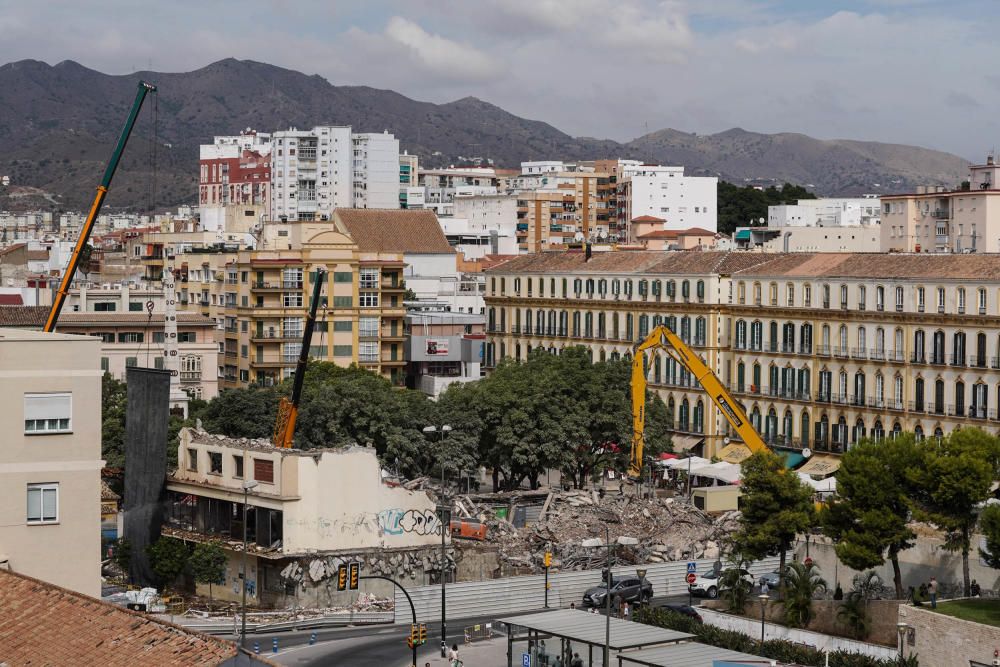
895, 355
277, 286
823, 350
841, 352
938, 359
918, 358
788, 348
956, 359
190, 376
230, 354
876, 355
275, 336
859, 353
805, 349
940, 214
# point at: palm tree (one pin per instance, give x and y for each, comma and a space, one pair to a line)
733, 585
802, 583
854, 610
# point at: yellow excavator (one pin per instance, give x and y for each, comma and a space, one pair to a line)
662, 338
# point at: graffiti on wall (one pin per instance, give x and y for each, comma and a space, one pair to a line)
397, 521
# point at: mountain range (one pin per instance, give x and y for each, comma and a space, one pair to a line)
58, 125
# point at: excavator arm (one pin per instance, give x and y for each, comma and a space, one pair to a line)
662, 338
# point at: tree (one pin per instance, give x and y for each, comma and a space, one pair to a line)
802, 583
854, 611
989, 526
113, 404
167, 557
954, 478
207, 564
868, 517
733, 586
744, 206
776, 507
121, 555
242, 413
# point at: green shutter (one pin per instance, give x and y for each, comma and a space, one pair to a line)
342, 276
342, 301
343, 325
343, 351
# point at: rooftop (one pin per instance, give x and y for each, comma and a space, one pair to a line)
29, 317
887, 266
579, 626
634, 262
105, 318
392, 230
43, 624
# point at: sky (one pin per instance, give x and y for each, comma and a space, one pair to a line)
920, 72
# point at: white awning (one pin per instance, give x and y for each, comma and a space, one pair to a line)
722, 471
682, 464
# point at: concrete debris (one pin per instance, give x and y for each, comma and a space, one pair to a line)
667, 529
365, 602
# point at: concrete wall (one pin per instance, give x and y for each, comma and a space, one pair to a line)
926, 559
65, 552
815, 639
943, 641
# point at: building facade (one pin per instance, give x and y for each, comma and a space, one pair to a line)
234, 171
50, 465
820, 349
665, 192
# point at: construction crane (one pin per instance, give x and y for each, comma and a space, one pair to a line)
95, 208
662, 338
288, 410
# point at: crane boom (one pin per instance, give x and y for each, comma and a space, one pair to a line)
95, 208
288, 410
661, 337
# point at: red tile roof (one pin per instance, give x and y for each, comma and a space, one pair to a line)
43, 624
634, 262
697, 231
23, 317
394, 230
11, 300
660, 234
647, 218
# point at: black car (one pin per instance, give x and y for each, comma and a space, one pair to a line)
684, 609
629, 589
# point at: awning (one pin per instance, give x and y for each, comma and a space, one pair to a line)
743, 235
683, 464
735, 452
791, 458
828, 485
683, 443
821, 465
722, 471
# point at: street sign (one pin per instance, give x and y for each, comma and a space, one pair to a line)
692, 577
692, 567
525, 660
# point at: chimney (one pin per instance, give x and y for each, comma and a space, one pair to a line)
588, 254
788, 235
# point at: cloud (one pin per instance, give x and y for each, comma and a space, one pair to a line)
439, 55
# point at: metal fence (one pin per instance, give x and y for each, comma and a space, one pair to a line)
496, 597
481, 632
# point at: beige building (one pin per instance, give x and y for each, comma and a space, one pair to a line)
50, 464
567, 203
309, 511
936, 219
821, 349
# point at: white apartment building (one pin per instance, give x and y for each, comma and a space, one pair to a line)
665, 192
826, 212
935, 219
50, 464
483, 225
408, 169
441, 186
376, 170
315, 171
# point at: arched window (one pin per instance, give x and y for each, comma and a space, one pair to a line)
825, 338
527, 320
981, 350
756, 294
756, 379
540, 321
657, 368
786, 427
741, 376
937, 354
880, 343
919, 356
590, 287
879, 298
959, 398
772, 292
918, 432
897, 393
858, 433
616, 287
671, 289
918, 395
823, 432
602, 287
686, 329
772, 335
757, 335
878, 433
897, 429
699, 332
576, 324
699, 417
843, 341
842, 387
771, 427
741, 335
577, 286
958, 359
517, 286
862, 342
552, 330
788, 338
803, 384
629, 327
790, 295
938, 433
643, 287
700, 290
503, 320
588, 325
939, 396
517, 352
602, 328
804, 429
643, 326
755, 418
686, 289
615, 331
683, 424
879, 390
670, 412
897, 351
859, 388
805, 339
741, 292
826, 296
491, 319
563, 322
657, 289
980, 399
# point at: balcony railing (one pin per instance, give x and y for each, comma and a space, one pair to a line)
841, 352
859, 353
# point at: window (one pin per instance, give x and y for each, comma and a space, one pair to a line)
342, 302
342, 325
130, 337
192, 459
215, 463
899, 299
131, 362
43, 503
367, 352
920, 299
862, 297
345, 277
105, 307
982, 301
135, 306
879, 298
105, 364
940, 299
368, 300
292, 299
343, 351
289, 278
188, 337
48, 413
368, 278
263, 470
843, 296
961, 300
368, 327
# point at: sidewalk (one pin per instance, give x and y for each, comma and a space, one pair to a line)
487, 653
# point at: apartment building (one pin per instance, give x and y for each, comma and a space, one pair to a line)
316, 171
408, 170
940, 219
307, 512
234, 172
50, 464
826, 212
443, 347
438, 187
820, 349
665, 192
559, 207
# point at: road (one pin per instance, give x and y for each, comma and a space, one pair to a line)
383, 646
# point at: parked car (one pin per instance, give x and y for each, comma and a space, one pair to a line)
684, 609
629, 589
707, 585
771, 579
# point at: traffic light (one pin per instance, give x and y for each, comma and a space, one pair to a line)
548, 559
423, 634
414, 638
342, 578
355, 573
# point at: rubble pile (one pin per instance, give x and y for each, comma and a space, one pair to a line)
198, 607
667, 530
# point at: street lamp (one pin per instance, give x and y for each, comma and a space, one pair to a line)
901, 628
764, 599
247, 486
444, 431
595, 543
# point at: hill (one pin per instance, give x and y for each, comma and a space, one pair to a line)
58, 124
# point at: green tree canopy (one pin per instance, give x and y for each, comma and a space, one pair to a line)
868, 518
113, 402
207, 564
744, 206
167, 557
776, 507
